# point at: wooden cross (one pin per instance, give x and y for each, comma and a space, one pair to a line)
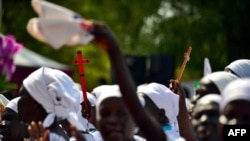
186, 59
80, 62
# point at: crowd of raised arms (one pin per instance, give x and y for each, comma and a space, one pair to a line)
50, 106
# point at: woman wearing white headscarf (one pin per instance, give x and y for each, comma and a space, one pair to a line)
48, 95
240, 67
166, 103
112, 116
213, 83
235, 104
236, 100
10, 123
205, 118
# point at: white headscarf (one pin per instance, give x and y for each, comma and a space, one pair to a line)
236, 90
240, 67
13, 104
210, 98
56, 92
164, 98
4, 100
221, 79
103, 92
91, 98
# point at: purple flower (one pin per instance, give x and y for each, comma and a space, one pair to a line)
8, 48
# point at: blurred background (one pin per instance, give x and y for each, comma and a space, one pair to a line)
153, 36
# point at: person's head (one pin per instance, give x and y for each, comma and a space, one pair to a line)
213, 83
10, 123
205, 117
162, 103
26, 105
48, 95
240, 67
235, 103
113, 119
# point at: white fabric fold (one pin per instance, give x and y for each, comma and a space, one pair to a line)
163, 97
240, 67
12, 104
56, 92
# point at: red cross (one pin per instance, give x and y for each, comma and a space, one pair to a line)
80, 62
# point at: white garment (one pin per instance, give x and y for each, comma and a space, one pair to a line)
171, 137
56, 92
165, 99
97, 135
55, 137
87, 137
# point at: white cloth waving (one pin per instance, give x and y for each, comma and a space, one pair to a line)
57, 26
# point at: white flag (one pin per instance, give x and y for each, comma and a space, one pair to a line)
57, 26
207, 67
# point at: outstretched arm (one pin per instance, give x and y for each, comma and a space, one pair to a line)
106, 40
184, 122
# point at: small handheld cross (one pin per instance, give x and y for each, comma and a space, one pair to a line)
80, 62
186, 59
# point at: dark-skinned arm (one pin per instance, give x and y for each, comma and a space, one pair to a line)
106, 40
185, 125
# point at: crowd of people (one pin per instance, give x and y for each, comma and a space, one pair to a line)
50, 105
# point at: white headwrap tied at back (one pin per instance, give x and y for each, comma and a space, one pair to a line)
240, 67
13, 104
56, 92
164, 98
221, 79
236, 90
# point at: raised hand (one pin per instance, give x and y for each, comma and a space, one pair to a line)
37, 132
